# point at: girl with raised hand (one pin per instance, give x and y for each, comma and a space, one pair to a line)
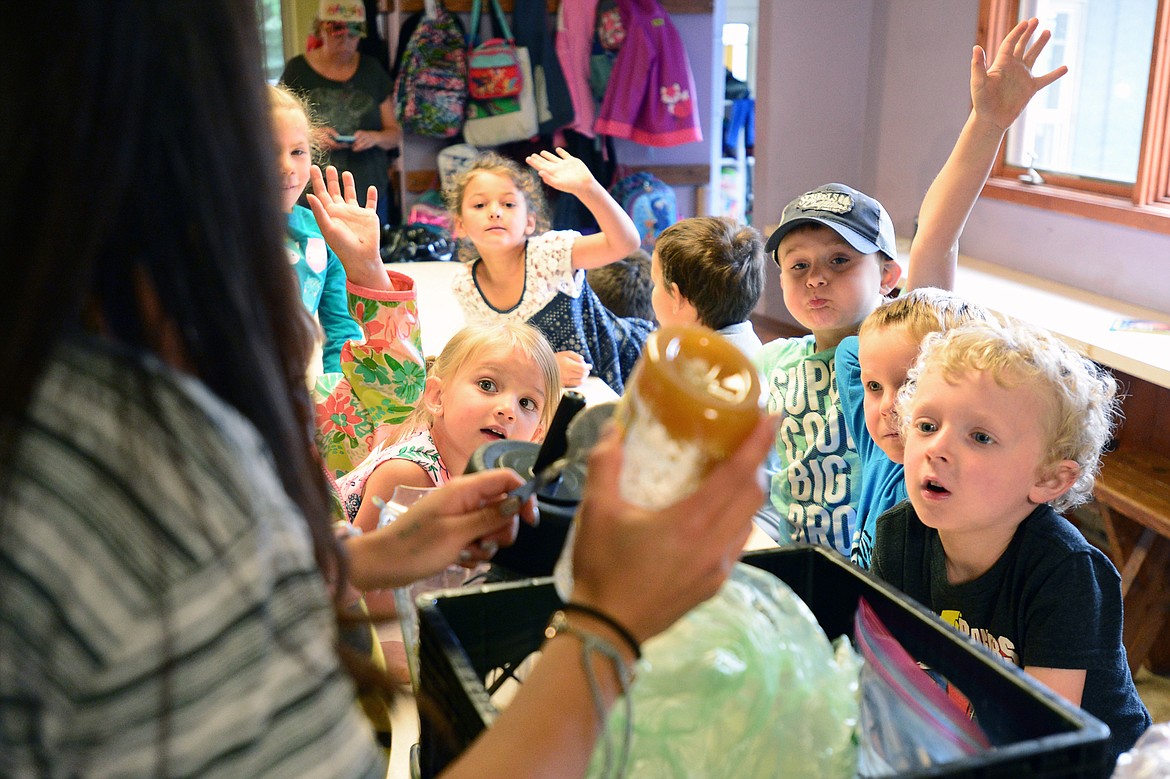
518, 271
489, 383
320, 273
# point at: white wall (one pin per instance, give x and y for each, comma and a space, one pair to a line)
812, 75
911, 61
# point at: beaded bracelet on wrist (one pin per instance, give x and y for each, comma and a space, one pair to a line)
617, 627
613, 765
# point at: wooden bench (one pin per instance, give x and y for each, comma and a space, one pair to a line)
1133, 495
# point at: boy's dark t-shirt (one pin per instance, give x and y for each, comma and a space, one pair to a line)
1052, 600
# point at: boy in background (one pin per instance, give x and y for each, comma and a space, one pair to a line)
709, 271
888, 342
837, 258
1004, 426
624, 287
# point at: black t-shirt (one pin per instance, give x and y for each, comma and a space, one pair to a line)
1051, 600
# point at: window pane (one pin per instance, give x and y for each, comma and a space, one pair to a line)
735, 49
1089, 123
271, 38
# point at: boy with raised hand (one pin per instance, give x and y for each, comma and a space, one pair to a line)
836, 251
1004, 426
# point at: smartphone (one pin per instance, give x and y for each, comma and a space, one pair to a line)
343, 138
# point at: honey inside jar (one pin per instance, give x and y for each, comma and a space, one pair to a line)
691, 400
700, 387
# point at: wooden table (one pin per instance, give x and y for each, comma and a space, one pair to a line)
1133, 494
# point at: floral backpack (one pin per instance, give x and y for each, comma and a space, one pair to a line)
611, 32
430, 92
608, 35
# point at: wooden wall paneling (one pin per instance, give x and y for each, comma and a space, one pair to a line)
1146, 421
679, 175
464, 6
1133, 495
418, 181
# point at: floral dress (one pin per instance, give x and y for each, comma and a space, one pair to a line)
419, 449
381, 377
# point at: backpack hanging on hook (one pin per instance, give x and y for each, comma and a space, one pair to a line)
492, 121
493, 67
430, 91
649, 201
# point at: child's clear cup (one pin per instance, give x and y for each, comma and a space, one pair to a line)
404, 597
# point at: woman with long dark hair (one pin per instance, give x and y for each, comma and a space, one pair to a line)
169, 582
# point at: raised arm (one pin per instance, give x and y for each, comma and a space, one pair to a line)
384, 373
618, 237
999, 94
352, 232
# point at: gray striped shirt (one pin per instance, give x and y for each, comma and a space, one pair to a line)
161, 613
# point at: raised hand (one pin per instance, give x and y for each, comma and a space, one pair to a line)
1000, 92
562, 171
353, 232
998, 95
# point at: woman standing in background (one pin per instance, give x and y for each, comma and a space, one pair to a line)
351, 95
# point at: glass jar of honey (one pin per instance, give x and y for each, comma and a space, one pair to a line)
692, 398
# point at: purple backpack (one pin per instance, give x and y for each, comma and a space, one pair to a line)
430, 93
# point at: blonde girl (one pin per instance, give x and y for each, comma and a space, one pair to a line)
489, 383
321, 275
516, 270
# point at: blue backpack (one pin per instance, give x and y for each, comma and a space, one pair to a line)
649, 201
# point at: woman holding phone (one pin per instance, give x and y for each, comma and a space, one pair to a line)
351, 96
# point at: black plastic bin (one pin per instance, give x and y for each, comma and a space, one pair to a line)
465, 634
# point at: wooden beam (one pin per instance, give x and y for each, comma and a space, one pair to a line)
1133, 490
1146, 609
679, 175
418, 181
1137, 484
464, 6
